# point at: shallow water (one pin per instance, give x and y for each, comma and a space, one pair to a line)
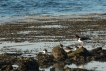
34, 48
93, 65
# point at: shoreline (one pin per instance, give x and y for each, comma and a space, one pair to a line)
34, 33
48, 18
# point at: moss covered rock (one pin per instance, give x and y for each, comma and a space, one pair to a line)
80, 51
59, 53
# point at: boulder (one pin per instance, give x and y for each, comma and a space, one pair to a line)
59, 53
28, 65
96, 51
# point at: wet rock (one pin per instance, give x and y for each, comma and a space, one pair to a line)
69, 61
88, 58
80, 51
59, 66
6, 68
75, 69
44, 60
97, 54
96, 51
59, 53
78, 58
28, 65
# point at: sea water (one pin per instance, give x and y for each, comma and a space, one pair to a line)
10, 8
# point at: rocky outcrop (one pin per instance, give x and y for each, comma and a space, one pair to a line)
81, 51
96, 51
6, 68
82, 54
44, 60
57, 59
28, 65
59, 53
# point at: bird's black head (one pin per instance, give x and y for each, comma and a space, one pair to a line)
76, 47
76, 36
61, 45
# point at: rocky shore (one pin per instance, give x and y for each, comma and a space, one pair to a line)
62, 30
57, 59
58, 30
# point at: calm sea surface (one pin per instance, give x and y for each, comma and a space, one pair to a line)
50, 7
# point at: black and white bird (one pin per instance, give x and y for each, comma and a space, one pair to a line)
68, 49
82, 39
61, 45
44, 50
76, 47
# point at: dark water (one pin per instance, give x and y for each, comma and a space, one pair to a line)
51, 7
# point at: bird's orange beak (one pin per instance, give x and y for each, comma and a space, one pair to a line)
74, 37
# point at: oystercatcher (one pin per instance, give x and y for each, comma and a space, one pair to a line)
82, 39
76, 47
61, 45
68, 49
44, 51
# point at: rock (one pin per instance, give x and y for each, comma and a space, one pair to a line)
28, 65
59, 66
96, 51
88, 58
75, 69
6, 68
79, 58
80, 51
44, 60
59, 53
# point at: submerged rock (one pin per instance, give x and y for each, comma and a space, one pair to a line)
59, 53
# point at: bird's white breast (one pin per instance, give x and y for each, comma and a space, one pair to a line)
79, 40
44, 52
67, 50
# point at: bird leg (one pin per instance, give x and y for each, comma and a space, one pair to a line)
82, 43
